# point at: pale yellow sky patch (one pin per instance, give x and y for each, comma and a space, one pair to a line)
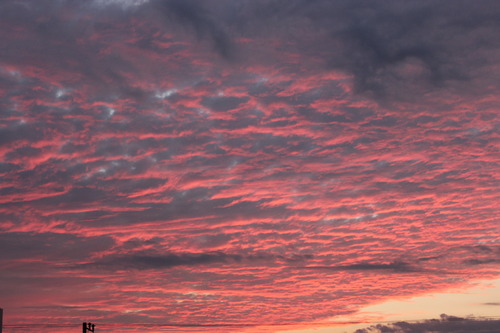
479, 300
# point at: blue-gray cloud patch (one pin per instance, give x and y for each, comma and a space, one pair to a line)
50, 246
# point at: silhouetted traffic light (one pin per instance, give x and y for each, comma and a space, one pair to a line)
87, 327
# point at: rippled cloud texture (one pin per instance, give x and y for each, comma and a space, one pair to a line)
244, 162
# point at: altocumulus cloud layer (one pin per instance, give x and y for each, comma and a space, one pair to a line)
244, 162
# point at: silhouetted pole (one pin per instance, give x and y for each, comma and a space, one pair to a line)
1, 319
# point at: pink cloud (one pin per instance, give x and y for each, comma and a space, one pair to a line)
160, 168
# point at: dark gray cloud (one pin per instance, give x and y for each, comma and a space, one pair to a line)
50, 246
7, 167
387, 44
195, 14
164, 261
223, 103
481, 261
392, 48
396, 266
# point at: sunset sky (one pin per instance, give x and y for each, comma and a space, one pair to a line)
248, 165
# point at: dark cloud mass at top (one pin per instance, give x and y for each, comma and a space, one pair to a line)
244, 161
392, 49
195, 14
